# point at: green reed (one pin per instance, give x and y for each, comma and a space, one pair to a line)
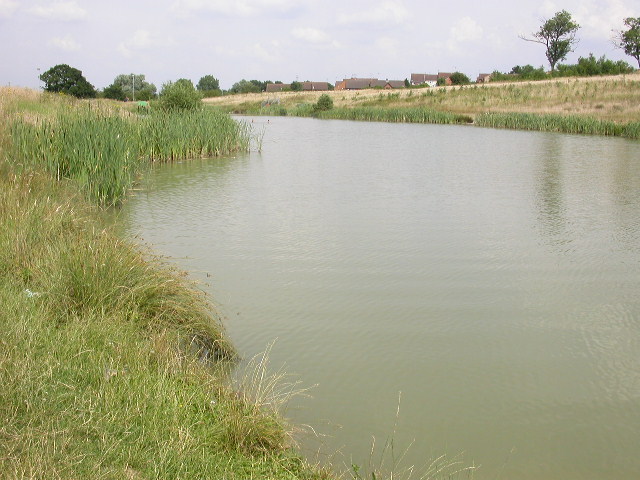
557, 123
170, 136
395, 115
104, 149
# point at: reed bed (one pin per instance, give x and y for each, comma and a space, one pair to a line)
170, 136
104, 148
558, 123
395, 115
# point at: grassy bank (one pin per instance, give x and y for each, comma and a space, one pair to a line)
594, 105
112, 364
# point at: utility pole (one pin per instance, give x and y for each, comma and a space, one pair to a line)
133, 85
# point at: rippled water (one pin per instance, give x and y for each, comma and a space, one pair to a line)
490, 276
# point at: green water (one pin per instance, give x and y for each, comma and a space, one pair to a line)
490, 276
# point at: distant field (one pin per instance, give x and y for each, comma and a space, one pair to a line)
611, 98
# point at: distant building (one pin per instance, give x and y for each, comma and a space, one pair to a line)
446, 77
429, 79
424, 79
362, 83
393, 84
315, 86
305, 87
483, 78
277, 87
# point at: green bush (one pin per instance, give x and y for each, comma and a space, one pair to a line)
180, 95
325, 102
459, 78
590, 66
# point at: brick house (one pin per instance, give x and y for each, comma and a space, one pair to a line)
315, 86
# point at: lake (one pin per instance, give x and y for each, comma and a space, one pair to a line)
483, 281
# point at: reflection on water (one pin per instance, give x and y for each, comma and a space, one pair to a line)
490, 276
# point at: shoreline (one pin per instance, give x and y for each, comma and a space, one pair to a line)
110, 355
577, 102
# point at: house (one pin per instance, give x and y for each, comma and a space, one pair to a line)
393, 84
362, 83
446, 77
354, 83
424, 79
483, 78
315, 86
305, 87
277, 87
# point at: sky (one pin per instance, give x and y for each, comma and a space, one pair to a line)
289, 40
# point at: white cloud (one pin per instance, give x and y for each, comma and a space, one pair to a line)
314, 36
265, 54
66, 43
387, 13
598, 19
465, 30
143, 40
388, 44
549, 9
311, 35
234, 8
65, 11
7, 7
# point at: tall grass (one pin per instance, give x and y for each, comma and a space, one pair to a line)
170, 136
394, 115
558, 123
103, 149
103, 357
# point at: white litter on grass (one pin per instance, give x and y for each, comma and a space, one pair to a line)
31, 294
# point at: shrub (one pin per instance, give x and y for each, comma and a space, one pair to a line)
459, 78
180, 95
325, 102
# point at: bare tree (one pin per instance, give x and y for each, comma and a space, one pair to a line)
558, 35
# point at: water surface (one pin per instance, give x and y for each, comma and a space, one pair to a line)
490, 276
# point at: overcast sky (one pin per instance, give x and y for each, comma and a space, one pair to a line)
286, 40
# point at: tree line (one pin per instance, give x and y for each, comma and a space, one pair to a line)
69, 80
558, 35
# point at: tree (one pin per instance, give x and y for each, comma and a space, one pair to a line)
114, 92
296, 86
558, 35
207, 83
65, 79
459, 78
529, 72
629, 40
246, 86
180, 95
135, 86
